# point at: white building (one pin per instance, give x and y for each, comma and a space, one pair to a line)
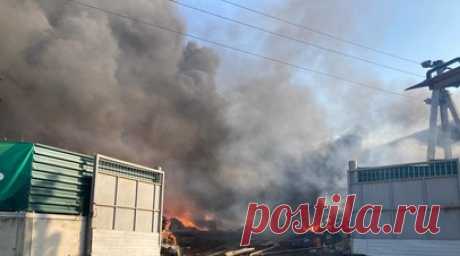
433, 182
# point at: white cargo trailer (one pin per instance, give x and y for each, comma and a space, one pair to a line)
56, 202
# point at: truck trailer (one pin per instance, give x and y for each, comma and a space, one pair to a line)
56, 202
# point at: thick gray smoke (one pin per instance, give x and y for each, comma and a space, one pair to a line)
82, 80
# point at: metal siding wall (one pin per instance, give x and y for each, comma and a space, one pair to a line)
60, 181
408, 192
395, 193
443, 190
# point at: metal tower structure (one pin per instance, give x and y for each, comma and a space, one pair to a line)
439, 77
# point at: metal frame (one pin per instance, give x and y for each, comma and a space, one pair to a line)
155, 212
441, 99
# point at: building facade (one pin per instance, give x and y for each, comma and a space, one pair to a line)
433, 182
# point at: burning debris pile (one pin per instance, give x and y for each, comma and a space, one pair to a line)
182, 240
190, 239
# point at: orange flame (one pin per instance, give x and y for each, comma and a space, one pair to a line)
188, 222
186, 213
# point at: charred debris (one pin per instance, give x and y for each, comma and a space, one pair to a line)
180, 240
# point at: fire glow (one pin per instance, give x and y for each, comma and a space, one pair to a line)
283, 219
188, 222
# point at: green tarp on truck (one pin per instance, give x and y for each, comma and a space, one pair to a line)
39, 178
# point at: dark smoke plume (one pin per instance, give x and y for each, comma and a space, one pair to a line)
82, 80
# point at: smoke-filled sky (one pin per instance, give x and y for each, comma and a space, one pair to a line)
227, 128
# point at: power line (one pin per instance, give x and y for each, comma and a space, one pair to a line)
296, 39
325, 74
329, 35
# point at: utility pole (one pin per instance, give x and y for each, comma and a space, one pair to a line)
438, 99
440, 76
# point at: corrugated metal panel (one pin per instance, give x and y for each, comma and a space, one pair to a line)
439, 168
129, 170
60, 182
